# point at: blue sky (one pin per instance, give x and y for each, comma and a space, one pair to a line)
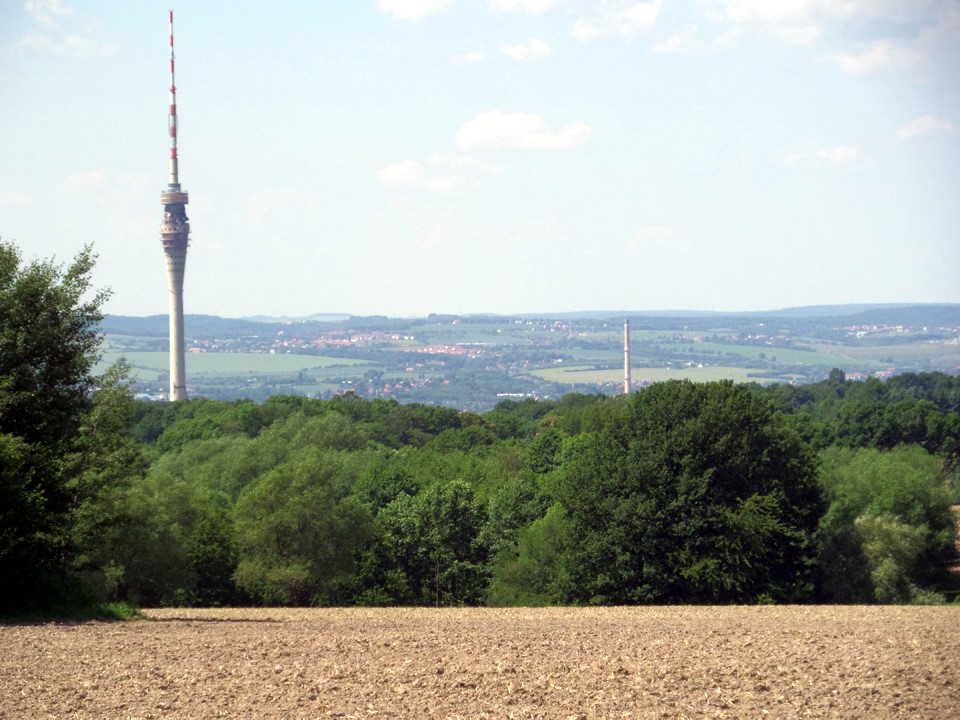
403, 157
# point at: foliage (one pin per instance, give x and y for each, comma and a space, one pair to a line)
915, 409
682, 492
888, 527
698, 493
679, 493
48, 346
429, 550
75, 607
298, 531
530, 573
104, 463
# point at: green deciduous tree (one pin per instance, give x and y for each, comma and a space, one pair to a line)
300, 532
530, 572
102, 465
888, 527
429, 549
695, 493
48, 346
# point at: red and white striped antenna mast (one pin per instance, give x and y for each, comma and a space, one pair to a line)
174, 174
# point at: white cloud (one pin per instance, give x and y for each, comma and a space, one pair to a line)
518, 131
617, 19
46, 11
927, 125
52, 14
939, 41
796, 34
83, 182
96, 186
837, 155
465, 163
10, 199
881, 56
412, 10
834, 155
684, 41
727, 39
471, 58
896, 35
412, 175
267, 200
36, 41
71, 46
533, 7
788, 21
529, 50
459, 172
890, 10
765, 11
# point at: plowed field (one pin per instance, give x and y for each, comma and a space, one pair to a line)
865, 662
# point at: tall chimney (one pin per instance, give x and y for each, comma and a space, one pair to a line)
626, 357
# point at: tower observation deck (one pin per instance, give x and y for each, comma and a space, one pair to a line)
175, 235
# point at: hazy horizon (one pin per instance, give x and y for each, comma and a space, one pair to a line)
409, 157
826, 310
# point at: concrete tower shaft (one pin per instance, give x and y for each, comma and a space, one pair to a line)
175, 235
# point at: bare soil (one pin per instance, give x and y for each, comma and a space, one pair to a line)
655, 662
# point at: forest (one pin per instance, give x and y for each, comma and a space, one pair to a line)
833, 492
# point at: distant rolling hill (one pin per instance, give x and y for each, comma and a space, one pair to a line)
199, 326
807, 311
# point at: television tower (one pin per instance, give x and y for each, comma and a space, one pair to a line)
175, 234
626, 357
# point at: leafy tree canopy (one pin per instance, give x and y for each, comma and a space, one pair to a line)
697, 492
48, 345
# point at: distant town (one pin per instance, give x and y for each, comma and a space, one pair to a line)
474, 362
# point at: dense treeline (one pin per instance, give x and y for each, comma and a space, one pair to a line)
681, 493
710, 493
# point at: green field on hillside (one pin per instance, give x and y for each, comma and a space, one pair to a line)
148, 366
941, 354
589, 375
